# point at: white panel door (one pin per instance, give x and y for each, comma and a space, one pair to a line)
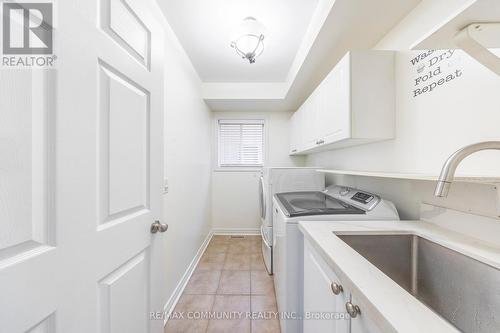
80, 176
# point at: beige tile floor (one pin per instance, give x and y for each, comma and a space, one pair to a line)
229, 279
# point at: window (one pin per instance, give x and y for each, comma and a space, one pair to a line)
241, 143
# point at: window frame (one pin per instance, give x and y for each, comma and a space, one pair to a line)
250, 168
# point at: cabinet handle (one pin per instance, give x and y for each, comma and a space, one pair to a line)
294, 150
336, 288
352, 310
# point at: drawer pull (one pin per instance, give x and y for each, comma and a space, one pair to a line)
352, 310
336, 288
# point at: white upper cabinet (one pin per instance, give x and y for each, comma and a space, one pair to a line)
295, 129
355, 104
333, 117
309, 120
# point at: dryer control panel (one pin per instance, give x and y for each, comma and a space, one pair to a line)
362, 197
358, 198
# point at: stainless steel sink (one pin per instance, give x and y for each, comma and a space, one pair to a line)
462, 290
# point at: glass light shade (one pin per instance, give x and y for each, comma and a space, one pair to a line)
251, 26
249, 39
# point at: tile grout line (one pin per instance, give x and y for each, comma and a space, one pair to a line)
222, 269
226, 254
211, 310
217, 292
215, 295
251, 319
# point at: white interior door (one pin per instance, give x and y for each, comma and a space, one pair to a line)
80, 176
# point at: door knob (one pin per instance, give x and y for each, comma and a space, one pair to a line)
157, 226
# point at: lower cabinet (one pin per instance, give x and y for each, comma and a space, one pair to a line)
363, 323
324, 297
328, 305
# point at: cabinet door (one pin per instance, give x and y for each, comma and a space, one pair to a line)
310, 133
323, 310
294, 131
362, 323
334, 112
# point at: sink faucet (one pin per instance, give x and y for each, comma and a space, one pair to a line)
451, 164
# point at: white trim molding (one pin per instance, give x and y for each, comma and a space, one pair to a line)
236, 231
176, 294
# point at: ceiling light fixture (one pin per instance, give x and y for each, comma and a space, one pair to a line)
249, 41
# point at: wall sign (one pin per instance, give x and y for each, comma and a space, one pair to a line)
434, 69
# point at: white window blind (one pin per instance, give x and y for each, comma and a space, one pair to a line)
241, 143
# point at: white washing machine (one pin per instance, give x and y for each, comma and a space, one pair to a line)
336, 203
282, 179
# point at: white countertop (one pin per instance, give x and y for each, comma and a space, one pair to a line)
388, 304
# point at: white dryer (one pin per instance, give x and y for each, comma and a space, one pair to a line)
282, 179
336, 203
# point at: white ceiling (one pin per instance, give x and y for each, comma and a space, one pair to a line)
204, 28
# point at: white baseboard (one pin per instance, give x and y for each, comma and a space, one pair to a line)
174, 298
236, 231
